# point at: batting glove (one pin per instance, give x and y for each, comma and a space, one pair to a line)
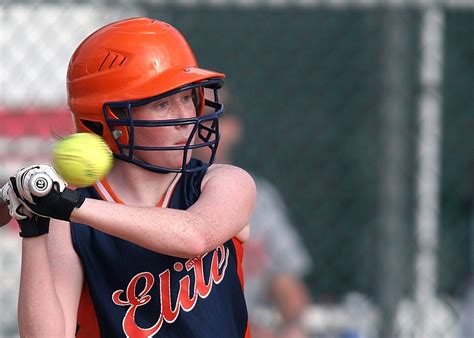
29, 226
42, 191
38, 180
14, 205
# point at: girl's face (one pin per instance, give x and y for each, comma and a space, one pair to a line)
177, 106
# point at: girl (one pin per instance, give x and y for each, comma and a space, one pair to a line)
155, 248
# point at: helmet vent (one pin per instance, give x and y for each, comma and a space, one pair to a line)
111, 60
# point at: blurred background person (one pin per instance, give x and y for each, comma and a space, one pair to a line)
275, 259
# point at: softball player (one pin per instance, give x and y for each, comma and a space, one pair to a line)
155, 248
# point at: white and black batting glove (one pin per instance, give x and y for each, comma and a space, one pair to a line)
14, 205
33, 226
42, 191
38, 180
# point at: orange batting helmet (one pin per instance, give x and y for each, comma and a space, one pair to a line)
130, 63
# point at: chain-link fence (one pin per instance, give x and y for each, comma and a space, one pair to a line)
358, 111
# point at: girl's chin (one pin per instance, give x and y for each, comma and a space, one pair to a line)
175, 163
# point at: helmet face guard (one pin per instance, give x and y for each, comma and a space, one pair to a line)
119, 118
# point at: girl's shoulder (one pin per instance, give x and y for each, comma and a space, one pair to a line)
227, 172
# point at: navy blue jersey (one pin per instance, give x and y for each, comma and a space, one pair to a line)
135, 292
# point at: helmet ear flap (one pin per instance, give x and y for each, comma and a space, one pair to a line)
119, 135
88, 125
95, 127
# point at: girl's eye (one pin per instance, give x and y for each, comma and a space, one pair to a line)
187, 98
162, 105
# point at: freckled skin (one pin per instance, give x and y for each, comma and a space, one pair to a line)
174, 107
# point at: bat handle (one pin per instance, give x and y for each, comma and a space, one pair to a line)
40, 184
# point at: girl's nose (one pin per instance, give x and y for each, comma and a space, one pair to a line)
184, 110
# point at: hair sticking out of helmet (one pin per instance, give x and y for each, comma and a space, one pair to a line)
132, 62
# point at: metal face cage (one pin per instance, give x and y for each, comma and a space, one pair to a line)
121, 122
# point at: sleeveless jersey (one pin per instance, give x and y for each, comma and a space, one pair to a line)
130, 291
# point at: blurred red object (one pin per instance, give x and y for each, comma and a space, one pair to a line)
40, 122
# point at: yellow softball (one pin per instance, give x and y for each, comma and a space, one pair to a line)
82, 158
